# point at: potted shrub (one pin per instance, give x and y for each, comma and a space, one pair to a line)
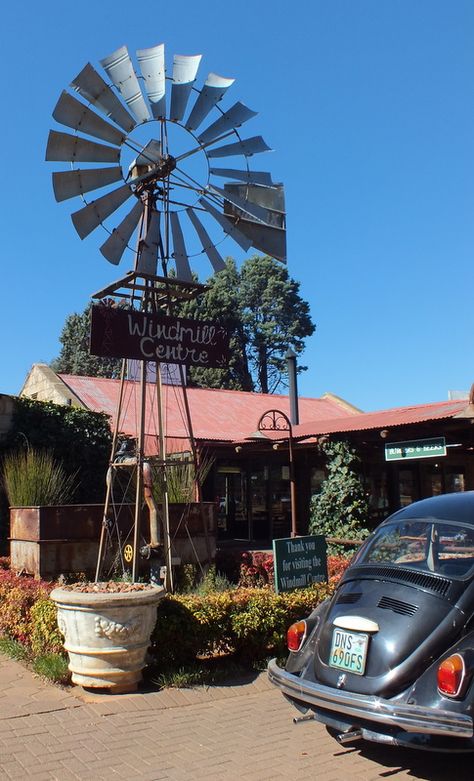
48, 536
106, 629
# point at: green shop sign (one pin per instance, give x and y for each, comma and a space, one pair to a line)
415, 448
299, 562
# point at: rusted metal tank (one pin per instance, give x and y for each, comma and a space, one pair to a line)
50, 541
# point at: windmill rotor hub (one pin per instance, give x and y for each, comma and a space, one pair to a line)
165, 167
160, 169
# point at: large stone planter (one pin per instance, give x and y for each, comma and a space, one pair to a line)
107, 634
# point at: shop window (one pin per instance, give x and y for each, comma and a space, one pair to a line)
376, 488
436, 481
407, 487
455, 480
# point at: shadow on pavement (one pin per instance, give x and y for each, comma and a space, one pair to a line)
423, 765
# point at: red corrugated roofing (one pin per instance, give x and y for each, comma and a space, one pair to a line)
221, 415
398, 416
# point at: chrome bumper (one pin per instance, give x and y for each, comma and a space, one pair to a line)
411, 718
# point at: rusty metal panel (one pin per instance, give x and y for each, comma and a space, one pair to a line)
61, 523
50, 541
182, 515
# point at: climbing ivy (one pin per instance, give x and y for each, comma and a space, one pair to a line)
340, 509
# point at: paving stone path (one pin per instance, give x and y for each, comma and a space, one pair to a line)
228, 733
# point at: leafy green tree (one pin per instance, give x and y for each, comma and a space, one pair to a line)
74, 357
264, 314
340, 509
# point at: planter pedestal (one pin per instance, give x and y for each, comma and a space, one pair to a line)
107, 635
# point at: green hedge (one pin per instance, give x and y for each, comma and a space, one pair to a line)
247, 622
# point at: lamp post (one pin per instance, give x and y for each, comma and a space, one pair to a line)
276, 420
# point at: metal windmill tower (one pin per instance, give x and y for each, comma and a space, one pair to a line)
156, 141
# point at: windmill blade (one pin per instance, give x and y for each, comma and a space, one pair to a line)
247, 147
148, 257
226, 225
119, 68
71, 112
251, 177
183, 269
152, 66
88, 218
184, 75
93, 88
260, 213
117, 243
234, 117
67, 184
270, 240
215, 258
212, 92
74, 149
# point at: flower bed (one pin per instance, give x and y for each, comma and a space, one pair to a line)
249, 621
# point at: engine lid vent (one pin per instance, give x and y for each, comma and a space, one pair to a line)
404, 608
349, 599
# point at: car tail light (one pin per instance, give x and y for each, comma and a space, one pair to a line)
296, 636
451, 674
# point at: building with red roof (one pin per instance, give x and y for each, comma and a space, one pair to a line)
407, 453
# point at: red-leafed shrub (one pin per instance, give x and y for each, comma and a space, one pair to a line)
18, 594
337, 565
256, 569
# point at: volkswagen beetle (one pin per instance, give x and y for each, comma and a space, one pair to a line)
390, 657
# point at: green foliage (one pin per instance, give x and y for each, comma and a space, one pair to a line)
182, 477
248, 623
80, 440
213, 581
205, 672
45, 637
264, 314
13, 649
54, 667
341, 507
74, 357
18, 595
33, 477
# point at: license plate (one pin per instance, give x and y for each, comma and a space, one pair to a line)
349, 651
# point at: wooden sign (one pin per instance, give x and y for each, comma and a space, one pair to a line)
122, 333
299, 562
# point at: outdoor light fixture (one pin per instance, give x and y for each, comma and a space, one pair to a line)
384, 433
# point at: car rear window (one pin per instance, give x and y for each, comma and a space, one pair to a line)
443, 548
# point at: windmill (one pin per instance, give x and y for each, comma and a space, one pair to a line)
154, 145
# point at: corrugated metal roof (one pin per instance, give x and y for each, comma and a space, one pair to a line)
389, 418
221, 415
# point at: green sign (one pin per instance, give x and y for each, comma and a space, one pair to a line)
299, 562
416, 448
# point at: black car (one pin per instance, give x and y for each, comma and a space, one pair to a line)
390, 657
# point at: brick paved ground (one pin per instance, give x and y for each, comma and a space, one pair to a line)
235, 733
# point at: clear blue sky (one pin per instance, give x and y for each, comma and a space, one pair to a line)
368, 105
